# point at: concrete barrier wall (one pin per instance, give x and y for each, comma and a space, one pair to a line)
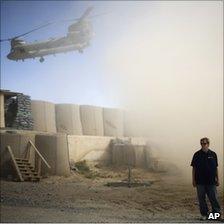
54, 149
92, 120
18, 143
68, 119
89, 148
113, 122
98, 149
58, 149
43, 116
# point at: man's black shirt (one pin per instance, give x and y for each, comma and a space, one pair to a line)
205, 164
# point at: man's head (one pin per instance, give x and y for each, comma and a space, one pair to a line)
205, 143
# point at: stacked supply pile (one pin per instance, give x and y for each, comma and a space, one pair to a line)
18, 112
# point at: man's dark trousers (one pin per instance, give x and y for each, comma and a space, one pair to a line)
211, 192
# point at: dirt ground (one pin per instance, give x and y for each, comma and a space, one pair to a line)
83, 198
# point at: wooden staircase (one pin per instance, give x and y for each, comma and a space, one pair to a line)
24, 170
27, 171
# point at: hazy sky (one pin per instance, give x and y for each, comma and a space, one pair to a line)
163, 59
158, 41
71, 77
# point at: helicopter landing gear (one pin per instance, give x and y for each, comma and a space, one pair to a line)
41, 59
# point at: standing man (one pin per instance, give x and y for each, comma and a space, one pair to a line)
205, 178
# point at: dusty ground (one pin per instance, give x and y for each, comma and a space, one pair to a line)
79, 199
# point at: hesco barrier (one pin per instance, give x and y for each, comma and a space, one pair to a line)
68, 119
101, 149
140, 156
133, 126
123, 155
130, 152
129, 155
92, 120
54, 149
113, 121
18, 143
43, 116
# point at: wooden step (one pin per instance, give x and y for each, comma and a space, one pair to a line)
30, 178
29, 173
25, 166
23, 163
27, 169
24, 170
21, 159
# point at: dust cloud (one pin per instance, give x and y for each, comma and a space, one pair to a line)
167, 71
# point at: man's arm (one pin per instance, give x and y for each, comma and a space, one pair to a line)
217, 173
217, 177
193, 177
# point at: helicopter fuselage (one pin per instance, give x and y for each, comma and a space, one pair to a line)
76, 39
40, 49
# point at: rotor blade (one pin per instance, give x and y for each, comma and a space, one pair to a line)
2, 40
101, 14
86, 13
39, 27
67, 20
77, 19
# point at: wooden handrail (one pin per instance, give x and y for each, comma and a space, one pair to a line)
14, 163
38, 153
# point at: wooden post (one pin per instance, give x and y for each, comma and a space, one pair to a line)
38, 153
15, 164
27, 155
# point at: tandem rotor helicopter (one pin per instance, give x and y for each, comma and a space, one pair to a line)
78, 37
